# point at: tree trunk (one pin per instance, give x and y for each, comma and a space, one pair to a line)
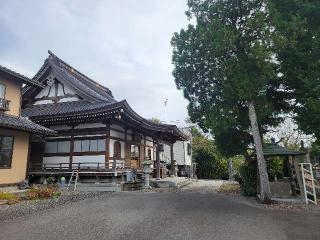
230, 169
265, 194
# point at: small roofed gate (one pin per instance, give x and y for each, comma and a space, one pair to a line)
292, 183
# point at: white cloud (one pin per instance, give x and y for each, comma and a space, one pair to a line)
123, 44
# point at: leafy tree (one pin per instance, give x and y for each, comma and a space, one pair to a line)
298, 23
224, 63
210, 164
155, 120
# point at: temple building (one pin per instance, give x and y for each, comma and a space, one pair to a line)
94, 130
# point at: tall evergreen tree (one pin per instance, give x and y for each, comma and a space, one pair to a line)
224, 63
298, 22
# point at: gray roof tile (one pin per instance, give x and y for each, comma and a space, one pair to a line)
20, 76
23, 124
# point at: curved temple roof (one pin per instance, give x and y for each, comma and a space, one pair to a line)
80, 111
97, 102
85, 86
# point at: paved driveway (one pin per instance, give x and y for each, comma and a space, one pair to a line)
184, 215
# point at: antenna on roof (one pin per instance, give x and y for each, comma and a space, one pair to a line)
165, 110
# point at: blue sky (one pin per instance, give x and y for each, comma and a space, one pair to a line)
122, 44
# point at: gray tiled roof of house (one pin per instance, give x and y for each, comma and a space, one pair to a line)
20, 76
64, 108
23, 124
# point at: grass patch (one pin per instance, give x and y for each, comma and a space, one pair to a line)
229, 188
10, 198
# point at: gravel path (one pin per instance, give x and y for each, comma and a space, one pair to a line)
8, 212
200, 185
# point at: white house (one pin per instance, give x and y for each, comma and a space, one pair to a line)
182, 153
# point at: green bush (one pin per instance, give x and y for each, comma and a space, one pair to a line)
275, 168
248, 180
209, 166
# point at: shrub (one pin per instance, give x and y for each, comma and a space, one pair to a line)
209, 166
248, 176
32, 194
275, 168
43, 192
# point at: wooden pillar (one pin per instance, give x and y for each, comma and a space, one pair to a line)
298, 176
107, 150
158, 161
173, 170
126, 153
145, 156
28, 169
286, 167
71, 148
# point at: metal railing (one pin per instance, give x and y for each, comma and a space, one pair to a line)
4, 104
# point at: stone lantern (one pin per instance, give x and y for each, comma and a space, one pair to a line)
147, 171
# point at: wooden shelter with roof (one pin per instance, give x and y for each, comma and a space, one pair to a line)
95, 131
293, 182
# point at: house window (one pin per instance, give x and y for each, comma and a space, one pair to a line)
134, 152
117, 150
93, 145
2, 90
57, 147
6, 148
189, 148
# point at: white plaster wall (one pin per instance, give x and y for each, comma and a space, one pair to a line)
165, 155
60, 90
69, 99
43, 92
68, 90
149, 139
152, 153
179, 152
115, 126
43, 102
117, 134
90, 160
89, 125
56, 160
129, 137
60, 127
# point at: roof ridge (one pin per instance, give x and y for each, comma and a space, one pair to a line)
20, 76
77, 72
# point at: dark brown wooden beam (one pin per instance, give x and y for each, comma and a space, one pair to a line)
172, 160
71, 148
107, 150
